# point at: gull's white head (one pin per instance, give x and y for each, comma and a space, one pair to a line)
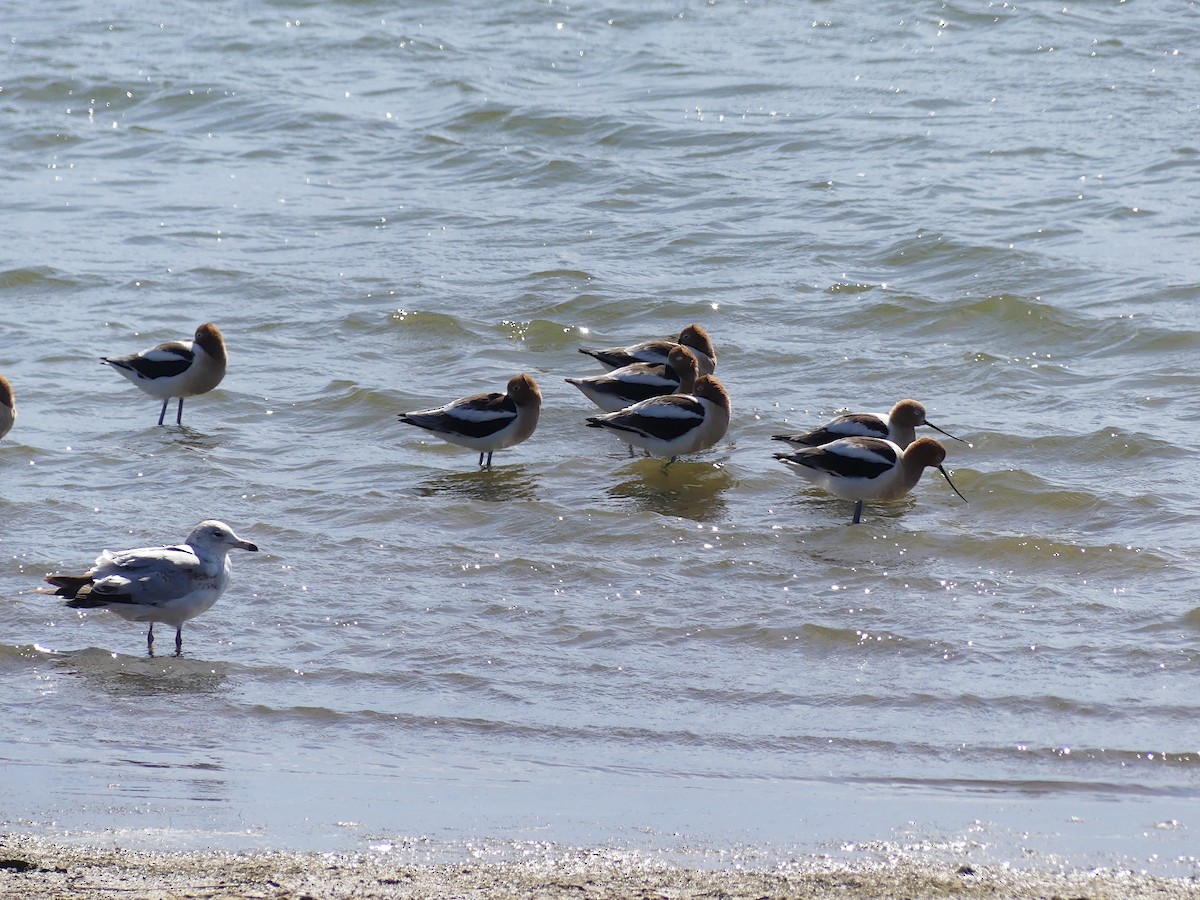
217, 536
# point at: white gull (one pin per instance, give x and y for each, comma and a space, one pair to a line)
157, 584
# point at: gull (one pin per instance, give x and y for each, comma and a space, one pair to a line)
631, 384
157, 584
674, 425
898, 426
485, 422
865, 468
176, 368
694, 337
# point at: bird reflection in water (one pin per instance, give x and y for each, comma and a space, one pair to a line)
512, 482
181, 439
691, 490
128, 676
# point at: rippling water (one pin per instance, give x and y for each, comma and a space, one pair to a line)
989, 208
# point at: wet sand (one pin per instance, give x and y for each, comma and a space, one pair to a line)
37, 869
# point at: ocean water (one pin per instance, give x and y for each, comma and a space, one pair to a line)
988, 207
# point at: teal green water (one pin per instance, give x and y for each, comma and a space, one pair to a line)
988, 208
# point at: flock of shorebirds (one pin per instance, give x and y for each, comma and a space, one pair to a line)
662, 396
658, 395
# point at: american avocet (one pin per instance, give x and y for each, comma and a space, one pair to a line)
485, 422
8, 406
157, 584
864, 468
899, 426
694, 337
176, 368
640, 381
674, 425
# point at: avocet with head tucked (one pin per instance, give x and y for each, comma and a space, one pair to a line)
694, 337
674, 425
634, 383
485, 422
176, 368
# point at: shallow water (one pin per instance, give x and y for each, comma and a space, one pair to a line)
982, 206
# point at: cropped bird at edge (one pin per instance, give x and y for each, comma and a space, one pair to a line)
631, 384
157, 584
8, 406
176, 368
898, 426
694, 337
485, 422
866, 468
674, 425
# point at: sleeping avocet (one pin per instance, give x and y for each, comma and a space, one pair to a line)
176, 368
485, 422
634, 383
674, 425
694, 337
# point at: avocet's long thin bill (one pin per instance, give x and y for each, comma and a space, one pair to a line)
946, 433
951, 483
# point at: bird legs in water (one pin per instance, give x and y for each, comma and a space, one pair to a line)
178, 413
857, 513
481, 455
178, 640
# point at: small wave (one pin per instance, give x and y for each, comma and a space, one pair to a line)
36, 278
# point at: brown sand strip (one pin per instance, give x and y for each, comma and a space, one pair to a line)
36, 869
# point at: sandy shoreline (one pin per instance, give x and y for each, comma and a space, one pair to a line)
39, 869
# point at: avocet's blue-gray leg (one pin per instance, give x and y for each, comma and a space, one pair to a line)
179, 413
857, 513
163, 414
